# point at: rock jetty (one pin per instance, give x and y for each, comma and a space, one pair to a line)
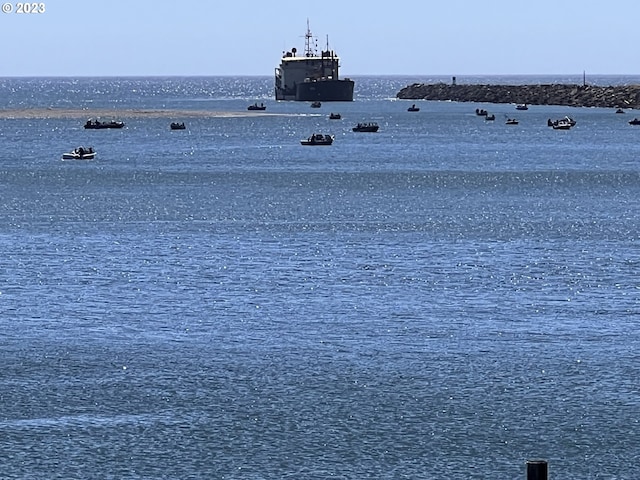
623, 96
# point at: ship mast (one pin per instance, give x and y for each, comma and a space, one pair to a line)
309, 48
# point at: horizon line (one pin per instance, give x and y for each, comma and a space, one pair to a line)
382, 75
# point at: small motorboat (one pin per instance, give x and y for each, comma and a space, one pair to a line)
562, 124
635, 121
366, 127
97, 124
178, 126
334, 116
490, 117
481, 112
255, 106
413, 108
318, 139
522, 106
619, 110
316, 105
511, 121
80, 153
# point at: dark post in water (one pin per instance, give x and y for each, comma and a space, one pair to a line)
537, 470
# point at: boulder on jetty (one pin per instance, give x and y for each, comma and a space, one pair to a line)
627, 96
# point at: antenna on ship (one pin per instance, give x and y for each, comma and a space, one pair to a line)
309, 51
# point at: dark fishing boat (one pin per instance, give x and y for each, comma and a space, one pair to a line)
97, 124
413, 108
255, 106
318, 139
312, 76
178, 126
334, 116
366, 127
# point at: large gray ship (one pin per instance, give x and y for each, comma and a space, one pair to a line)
312, 77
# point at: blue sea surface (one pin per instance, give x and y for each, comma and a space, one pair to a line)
446, 298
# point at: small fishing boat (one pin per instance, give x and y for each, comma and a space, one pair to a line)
562, 124
80, 153
522, 106
511, 121
318, 139
177, 126
97, 124
559, 124
334, 116
635, 121
490, 117
366, 127
481, 112
255, 106
316, 105
413, 108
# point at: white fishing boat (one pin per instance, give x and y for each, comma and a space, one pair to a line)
80, 153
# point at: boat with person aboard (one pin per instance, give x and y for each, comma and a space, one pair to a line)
80, 153
366, 127
97, 124
318, 139
561, 124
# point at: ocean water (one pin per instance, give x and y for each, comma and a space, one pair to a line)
444, 299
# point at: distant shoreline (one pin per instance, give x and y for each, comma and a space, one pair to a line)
623, 96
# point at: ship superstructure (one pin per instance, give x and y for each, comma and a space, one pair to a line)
311, 77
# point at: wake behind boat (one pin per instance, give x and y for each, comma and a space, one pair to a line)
312, 76
80, 153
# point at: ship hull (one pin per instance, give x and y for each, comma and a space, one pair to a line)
321, 90
325, 91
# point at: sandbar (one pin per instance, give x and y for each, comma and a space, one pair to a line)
55, 113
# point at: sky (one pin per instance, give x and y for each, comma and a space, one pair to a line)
423, 37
